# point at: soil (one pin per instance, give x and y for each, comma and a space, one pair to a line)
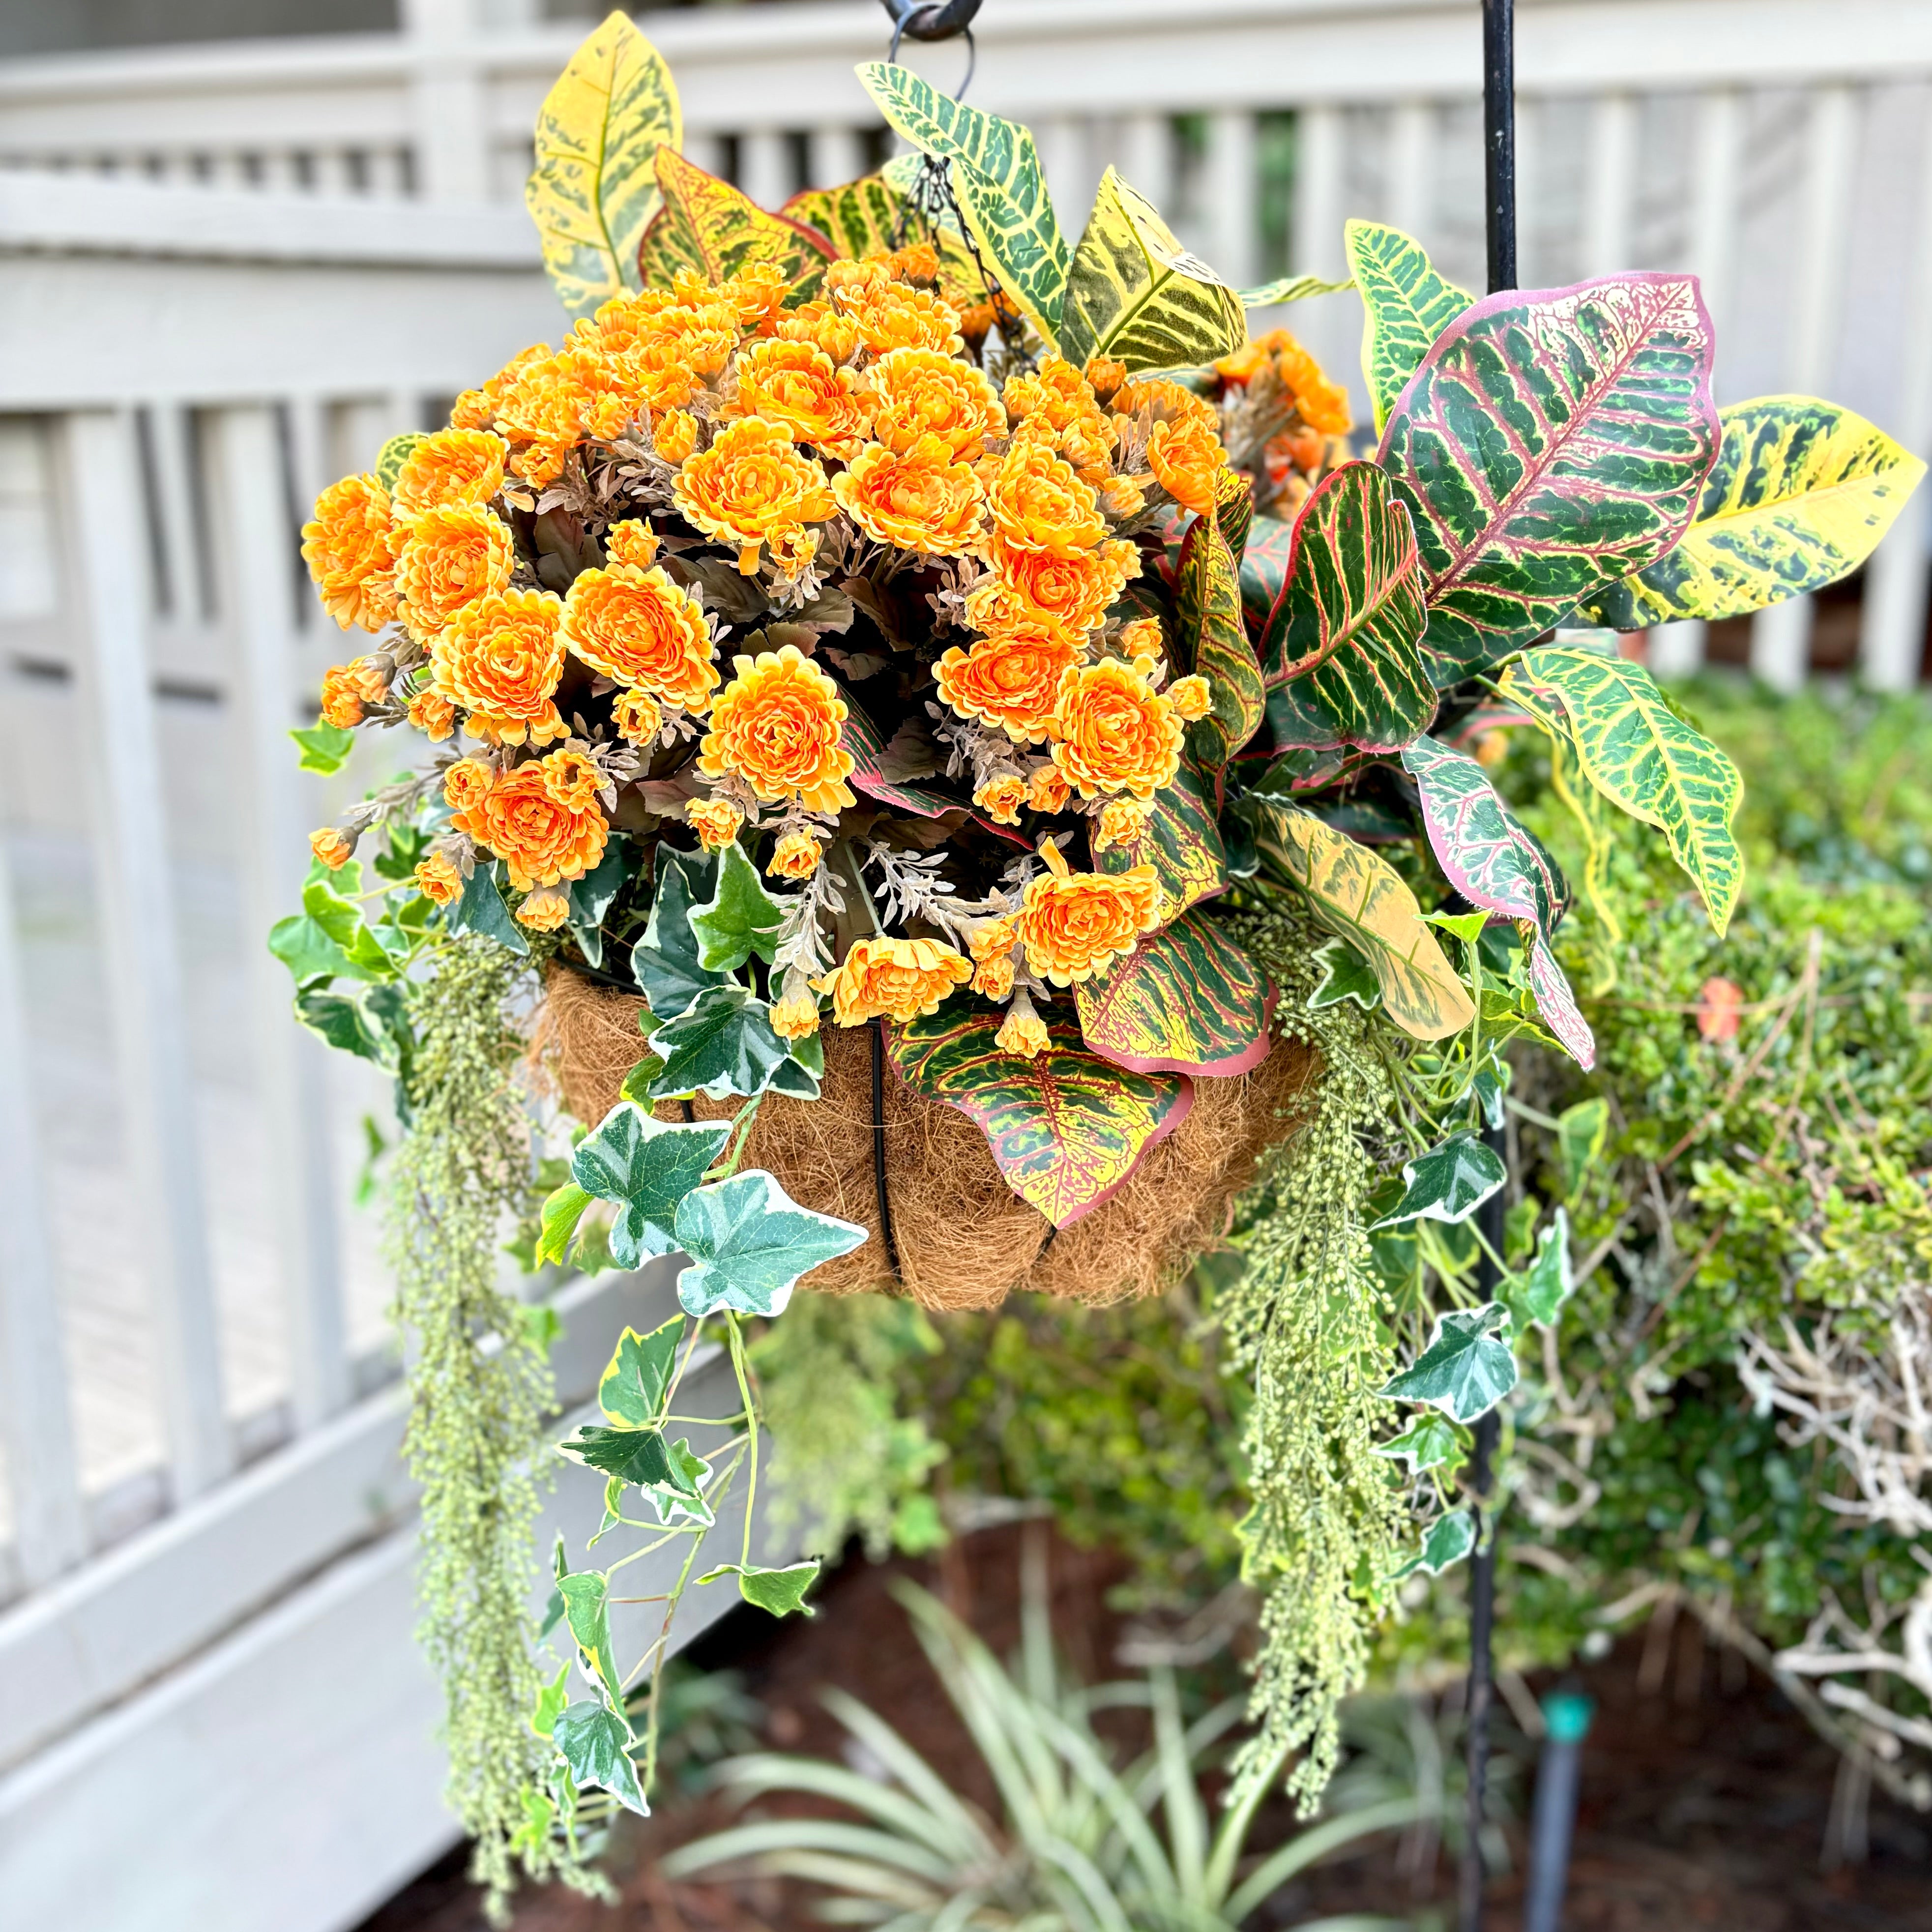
1707, 1802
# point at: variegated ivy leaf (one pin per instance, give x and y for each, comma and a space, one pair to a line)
1344, 976
740, 917
1497, 863
707, 228
777, 1592
749, 1242
593, 1738
1448, 1540
632, 1390
664, 962
646, 1167
586, 1607
1467, 1369
726, 1044
1448, 1183
1427, 1443
1538, 1293
1406, 306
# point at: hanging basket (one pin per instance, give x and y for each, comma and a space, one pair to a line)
957, 1236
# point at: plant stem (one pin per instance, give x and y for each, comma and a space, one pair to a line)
737, 1341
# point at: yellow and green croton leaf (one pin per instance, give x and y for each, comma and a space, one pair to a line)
1180, 840
1406, 305
1067, 1128
706, 226
1213, 641
1340, 642
997, 180
1642, 757
1800, 496
1359, 897
1187, 1000
1548, 446
594, 189
861, 217
1291, 289
1135, 295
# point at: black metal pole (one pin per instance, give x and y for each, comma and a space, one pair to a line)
1499, 140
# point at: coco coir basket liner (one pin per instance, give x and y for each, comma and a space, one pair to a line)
957, 1235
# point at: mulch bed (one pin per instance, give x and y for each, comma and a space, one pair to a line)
1706, 1799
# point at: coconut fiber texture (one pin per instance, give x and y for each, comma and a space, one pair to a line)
961, 1237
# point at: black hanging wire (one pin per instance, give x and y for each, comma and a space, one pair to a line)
936, 20
878, 1033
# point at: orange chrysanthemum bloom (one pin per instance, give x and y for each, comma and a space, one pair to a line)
992, 938
574, 779
477, 408
1113, 732
1023, 1032
1246, 363
1141, 637
637, 716
751, 488
758, 292
346, 688
1037, 502
330, 846
1122, 820
1122, 497
918, 392
916, 262
545, 910
1001, 798
467, 784
660, 347
899, 979
796, 855
519, 819
993, 979
432, 714
438, 879
921, 501
1104, 376
674, 435
1190, 698
795, 1016
1048, 788
715, 820
554, 404
798, 386
453, 554
1011, 681
499, 660
1075, 924
779, 726
894, 316
1056, 390
1067, 595
638, 628
1323, 405
1187, 457
452, 466
350, 548
822, 325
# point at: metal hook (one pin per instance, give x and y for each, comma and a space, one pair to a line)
935, 20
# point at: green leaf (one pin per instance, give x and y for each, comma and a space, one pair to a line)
1360, 897
665, 963
594, 189
679, 1496
1548, 445
1466, 926
725, 1045
740, 918
778, 1592
551, 1701
864, 218
1427, 1443
1801, 494
1187, 1000
542, 1326
324, 748
1581, 1133
1449, 1183
394, 453
647, 1167
1181, 840
996, 176
592, 1739
371, 1022
1135, 295
1406, 306
1450, 1538
1636, 751
1465, 1370
1290, 289
590, 898
749, 1242
1213, 641
1340, 643
587, 1609
1344, 976
557, 1220
707, 227
1537, 1295
482, 909
327, 939
639, 1456
632, 1389
1067, 1128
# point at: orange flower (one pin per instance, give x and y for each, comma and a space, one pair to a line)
893, 316
1023, 1031
350, 549
919, 392
1247, 362
636, 715
993, 979
715, 820
1056, 391
674, 435
795, 1016
1066, 596
992, 938
330, 846
796, 855
758, 292
545, 909
900, 978
438, 879
751, 487
917, 262
346, 688
1048, 789
452, 466
476, 407
574, 780
1323, 405
519, 819
499, 660
638, 628
1113, 732
798, 386
1104, 376
1122, 497
1011, 681
1001, 798
1038, 503
1122, 820
452, 556
778, 725
467, 784
432, 713
1186, 456
556, 402
920, 501
1190, 698
820, 324
659, 347
1075, 924
1141, 638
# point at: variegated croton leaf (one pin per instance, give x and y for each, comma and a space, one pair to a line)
1406, 305
1067, 1127
1497, 863
1181, 840
706, 227
1187, 1000
1550, 443
1214, 642
863, 217
860, 736
1340, 644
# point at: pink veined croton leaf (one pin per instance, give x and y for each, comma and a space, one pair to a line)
1213, 641
1552, 442
1495, 862
862, 739
1181, 840
1186, 1000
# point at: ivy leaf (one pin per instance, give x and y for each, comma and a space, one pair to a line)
551, 1701
1488, 1086
1466, 1369
1537, 1293
587, 1609
557, 1220
324, 748
749, 1242
1450, 1539
632, 1390
665, 964
592, 1739
1581, 1131
679, 1496
641, 1456
1449, 1183
1427, 1443
740, 918
590, 898
1344, 976
647, 1167
725, 1044
1467, 926
370, 1022
482, 909
778, 1592
327, 939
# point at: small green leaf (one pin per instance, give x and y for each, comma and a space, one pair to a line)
1465, 1370
740, 918
1449, 1183
542, 1326
1344, 976
665, 964
369, 1022
324, 748
550, 1701
1519, 1228
778, 1592
539, 1815
1467, 926
482, 909
592, 1739
557, 1220
749, 1242
639, 1456
1537, 1293
1581, 1131
586, 1608
1488, 1087
1427, 1443
1450, 1539
679, 1497
647, 1167
631, 1392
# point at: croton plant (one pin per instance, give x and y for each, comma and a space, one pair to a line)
882, 612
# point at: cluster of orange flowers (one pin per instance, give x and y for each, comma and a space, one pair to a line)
1306, 412
795, 439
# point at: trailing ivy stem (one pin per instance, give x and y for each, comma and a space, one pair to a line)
737, 1341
